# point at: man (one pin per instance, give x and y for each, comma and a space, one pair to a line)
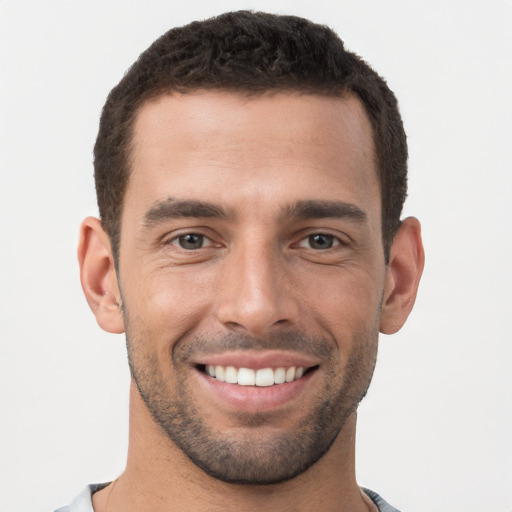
250, 176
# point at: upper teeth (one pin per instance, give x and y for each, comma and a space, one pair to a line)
249, 377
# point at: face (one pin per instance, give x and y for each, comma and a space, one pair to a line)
252, 274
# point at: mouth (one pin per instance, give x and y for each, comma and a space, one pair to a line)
245, 381
260, 377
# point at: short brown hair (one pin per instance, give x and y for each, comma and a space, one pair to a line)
251, 53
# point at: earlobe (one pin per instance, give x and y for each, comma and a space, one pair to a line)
404, 271
98, 276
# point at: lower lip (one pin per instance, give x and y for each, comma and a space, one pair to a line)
254, 398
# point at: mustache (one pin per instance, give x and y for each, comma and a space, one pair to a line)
315, 346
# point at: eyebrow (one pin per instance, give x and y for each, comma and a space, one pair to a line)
319, 209
171, 208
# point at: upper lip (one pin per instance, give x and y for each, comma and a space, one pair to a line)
256, 360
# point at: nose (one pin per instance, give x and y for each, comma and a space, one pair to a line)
256, 293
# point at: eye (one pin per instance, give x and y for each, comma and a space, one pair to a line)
191, 241
319, 241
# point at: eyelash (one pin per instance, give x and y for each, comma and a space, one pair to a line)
177, 241
331, 241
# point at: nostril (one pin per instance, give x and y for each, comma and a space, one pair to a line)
234, 326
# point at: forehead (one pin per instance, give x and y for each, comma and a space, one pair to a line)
223, 145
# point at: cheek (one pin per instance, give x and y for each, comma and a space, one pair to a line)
170, 300
348, 307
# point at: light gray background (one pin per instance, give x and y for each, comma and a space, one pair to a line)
435, 430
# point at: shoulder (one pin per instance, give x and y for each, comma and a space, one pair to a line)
83, 502
382, 504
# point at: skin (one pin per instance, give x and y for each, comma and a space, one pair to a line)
257, 289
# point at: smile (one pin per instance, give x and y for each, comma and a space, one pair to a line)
262, 377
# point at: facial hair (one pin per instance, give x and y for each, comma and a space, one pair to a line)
262, 454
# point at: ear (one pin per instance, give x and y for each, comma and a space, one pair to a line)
405, 267
98, 276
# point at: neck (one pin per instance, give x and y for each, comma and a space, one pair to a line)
158, 475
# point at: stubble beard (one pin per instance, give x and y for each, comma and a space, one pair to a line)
263, 455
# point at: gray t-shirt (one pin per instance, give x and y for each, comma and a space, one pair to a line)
83, 502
